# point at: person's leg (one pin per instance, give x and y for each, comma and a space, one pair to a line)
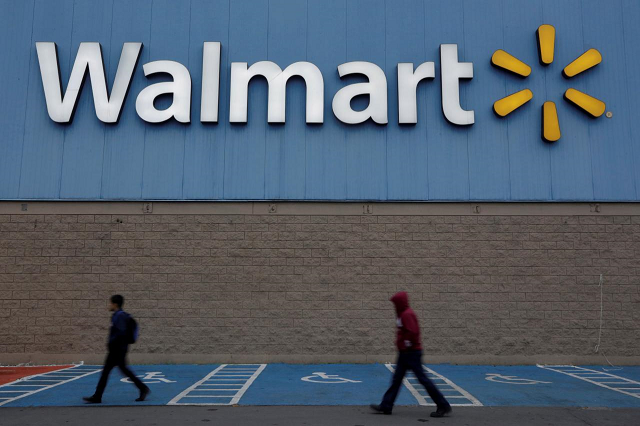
109, 363
144, 389
415, 364
122, 365
391, 394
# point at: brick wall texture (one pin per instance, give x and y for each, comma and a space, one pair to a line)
296, 286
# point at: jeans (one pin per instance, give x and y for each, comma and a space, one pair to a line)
116, 359
411, 360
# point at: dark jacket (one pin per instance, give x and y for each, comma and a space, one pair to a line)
408, 337
118, 331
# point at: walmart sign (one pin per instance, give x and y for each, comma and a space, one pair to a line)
108, 108
416, 100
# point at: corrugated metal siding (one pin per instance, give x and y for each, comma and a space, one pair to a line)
495, 159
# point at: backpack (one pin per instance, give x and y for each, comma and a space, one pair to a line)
132, 330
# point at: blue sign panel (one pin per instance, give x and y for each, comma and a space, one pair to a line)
389, 135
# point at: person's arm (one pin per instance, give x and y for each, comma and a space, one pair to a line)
411, 329
119, 328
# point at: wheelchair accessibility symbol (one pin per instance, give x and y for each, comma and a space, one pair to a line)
150, 377
321, 377
512, 380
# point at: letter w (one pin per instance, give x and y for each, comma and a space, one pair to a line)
61, 108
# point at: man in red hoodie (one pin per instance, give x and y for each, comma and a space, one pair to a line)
409, 358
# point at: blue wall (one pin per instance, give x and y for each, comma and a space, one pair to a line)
495, 159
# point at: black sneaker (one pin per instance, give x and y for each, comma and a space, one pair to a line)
378, 409
441, 411
143, 394
92, 399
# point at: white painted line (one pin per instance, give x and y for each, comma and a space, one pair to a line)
56, 374
614, 383
434, 376
421, 399
590, 377
608, 376
225, 380
216, 388
207, 396
235, 375
246, 385
60, 372
474, 401
27, 385
184, 393
44, 387
86, 370
222, 384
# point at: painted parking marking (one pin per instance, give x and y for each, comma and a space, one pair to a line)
281, 384
118, 392
14, 373
321, 377
150, 377
512, 380
450, 390
602, 379
223, 386
34, 384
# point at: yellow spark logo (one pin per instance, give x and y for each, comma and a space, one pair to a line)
546, 36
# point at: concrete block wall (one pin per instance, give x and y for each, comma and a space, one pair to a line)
294, 282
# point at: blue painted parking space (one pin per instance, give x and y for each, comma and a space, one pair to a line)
165, 382
31, 385
456, 395
334, 384
225, 385
322, 384
535, 386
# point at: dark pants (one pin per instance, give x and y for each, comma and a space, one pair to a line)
116, 358
411, 360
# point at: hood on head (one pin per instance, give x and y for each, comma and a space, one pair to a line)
401, 301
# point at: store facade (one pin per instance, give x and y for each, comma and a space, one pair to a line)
257, 178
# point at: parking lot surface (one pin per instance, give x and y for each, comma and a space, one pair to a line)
332, 385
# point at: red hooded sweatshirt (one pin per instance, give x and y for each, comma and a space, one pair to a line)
408, 329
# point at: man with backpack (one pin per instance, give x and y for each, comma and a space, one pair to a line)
409, 358
123, 332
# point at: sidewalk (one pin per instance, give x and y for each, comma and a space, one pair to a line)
315, 416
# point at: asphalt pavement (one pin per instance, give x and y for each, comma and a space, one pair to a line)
321, 394
313, 415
